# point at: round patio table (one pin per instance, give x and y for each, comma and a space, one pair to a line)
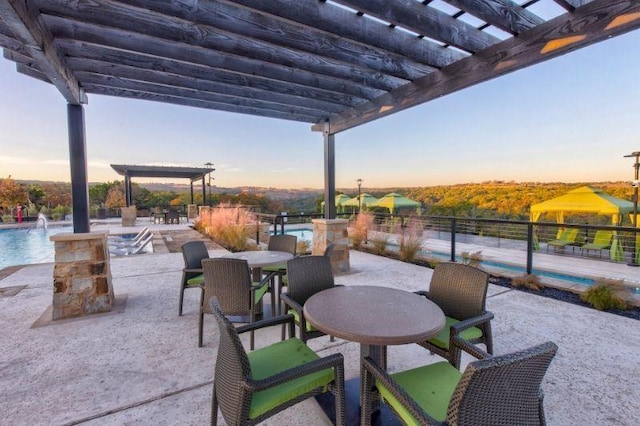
375, 317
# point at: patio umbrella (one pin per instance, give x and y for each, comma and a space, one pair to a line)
368, 200
395, 201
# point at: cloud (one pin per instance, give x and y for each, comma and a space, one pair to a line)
5, 159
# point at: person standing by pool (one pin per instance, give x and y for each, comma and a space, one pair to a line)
19, 213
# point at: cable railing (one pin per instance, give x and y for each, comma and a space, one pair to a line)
529, 237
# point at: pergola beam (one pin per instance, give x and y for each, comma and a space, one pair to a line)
597, 21
39, 43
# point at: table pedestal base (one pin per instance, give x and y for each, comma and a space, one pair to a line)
383, 417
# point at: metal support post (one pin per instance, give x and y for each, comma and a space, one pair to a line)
78, 166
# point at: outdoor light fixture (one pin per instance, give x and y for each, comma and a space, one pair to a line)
634, 220
209, 165
359, 182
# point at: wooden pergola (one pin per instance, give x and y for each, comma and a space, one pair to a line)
130, 171
336, 64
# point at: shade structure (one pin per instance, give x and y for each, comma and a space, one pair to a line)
586, 199
340, 200
368, 200
394, 201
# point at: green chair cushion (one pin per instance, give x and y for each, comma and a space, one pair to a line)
198, 280
275, 268
279, 357
296, 316
260, 292
431, 386
441, 340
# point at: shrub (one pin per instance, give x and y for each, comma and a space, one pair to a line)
472, 259
380, 242
7, 218
411, 241
606, 294
303, 247
228, 225
530, 281
363, 222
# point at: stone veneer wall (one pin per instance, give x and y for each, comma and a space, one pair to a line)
81, 275
129, 215
332, 231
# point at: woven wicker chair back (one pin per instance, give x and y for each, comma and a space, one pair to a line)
504, 390
232, 369
459, 290
283, 242
307, 276
229, 281
193, 252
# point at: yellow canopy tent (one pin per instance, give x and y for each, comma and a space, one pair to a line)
586, 200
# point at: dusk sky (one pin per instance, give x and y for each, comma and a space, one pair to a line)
570, 119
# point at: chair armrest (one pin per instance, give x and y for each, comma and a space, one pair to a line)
266, 279
291, 303
269, 322
403, 397
460, 343
471, 322
193, 270
335, 361
424, 293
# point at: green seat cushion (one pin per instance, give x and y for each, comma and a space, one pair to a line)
260, 292
296, 316
275, 268
431, 386
198, 280
279, 357
441, 340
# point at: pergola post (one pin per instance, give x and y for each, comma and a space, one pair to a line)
329, 173
191, 191
78, 166
127, 189
204, 193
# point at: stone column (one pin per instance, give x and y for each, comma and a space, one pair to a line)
81, 275
129, 215
332, 231
192, 211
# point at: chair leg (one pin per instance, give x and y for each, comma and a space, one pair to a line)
214, 407
339, 395
181, 299
200, 329
366, 399
488, 337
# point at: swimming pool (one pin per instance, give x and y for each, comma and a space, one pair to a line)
28, 245
302, 234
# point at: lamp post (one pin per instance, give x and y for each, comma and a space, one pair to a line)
359, 182
209, 165
635, 184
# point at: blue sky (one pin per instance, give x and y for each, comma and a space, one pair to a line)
570, 119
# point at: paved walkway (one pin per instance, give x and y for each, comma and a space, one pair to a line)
140, 364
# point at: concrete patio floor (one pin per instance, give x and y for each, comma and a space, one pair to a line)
140, 364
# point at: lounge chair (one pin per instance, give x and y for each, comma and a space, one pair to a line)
601, 241
127, 251
119, 239
566, 238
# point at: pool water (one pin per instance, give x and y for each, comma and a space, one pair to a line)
302, 234
26, 246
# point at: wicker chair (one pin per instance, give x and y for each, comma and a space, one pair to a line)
229, 281
307, 276
461, 292
193, 253
249, 388
501, 390
282, 242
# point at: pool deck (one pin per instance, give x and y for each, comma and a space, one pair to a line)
140, 363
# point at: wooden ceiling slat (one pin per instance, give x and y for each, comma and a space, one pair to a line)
32, 72
427, 21
38, 42
249, 24
188, 93
78, 52
504, 14
121, 93
133, 20
587, 25
342, 23
159, 48
81, 66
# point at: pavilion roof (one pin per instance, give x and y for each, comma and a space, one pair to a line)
341, 62
192, 173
